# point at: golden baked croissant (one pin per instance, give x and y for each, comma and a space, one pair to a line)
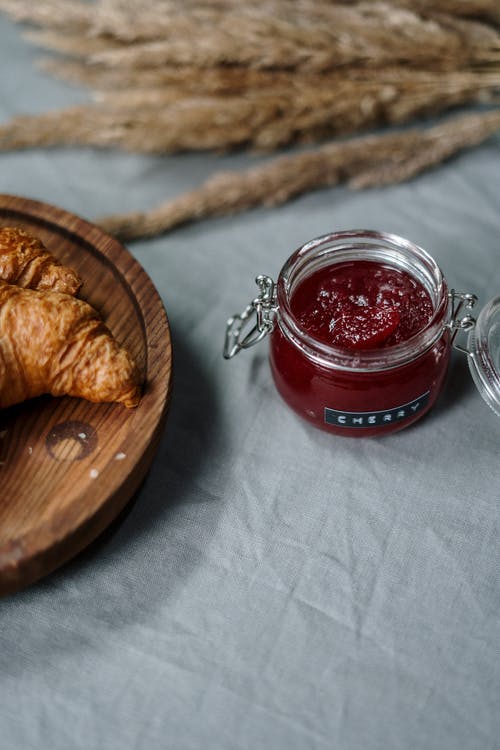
26, 262
54, 343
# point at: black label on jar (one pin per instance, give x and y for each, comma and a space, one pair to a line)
375, 418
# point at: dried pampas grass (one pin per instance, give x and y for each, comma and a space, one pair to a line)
361, 162
166, 120
169, 76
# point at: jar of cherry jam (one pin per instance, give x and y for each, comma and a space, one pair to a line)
361, 327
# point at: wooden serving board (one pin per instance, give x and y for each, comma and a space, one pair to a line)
67, 466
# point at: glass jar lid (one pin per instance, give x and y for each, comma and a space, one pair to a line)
484, 354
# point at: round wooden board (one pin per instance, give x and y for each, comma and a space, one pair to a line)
68, 466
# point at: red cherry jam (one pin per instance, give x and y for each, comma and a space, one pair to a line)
361, 305
360, 347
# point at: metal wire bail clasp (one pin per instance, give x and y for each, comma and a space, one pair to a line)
261, 312
459, 300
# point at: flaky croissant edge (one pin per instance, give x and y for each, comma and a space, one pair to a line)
53, 343
26, 262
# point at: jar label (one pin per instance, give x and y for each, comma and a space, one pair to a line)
374, 418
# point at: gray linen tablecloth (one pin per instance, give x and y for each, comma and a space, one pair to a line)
273, 586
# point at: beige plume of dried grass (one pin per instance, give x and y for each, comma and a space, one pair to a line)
327, 36
169, 76
220, 73
149, 20
484, 10
360, 162
148, 121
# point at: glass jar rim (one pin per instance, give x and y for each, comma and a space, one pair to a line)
484, 354
362, 244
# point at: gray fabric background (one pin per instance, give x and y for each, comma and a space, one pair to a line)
272, 586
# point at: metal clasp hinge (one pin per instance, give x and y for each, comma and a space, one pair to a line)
459, 301
261, 312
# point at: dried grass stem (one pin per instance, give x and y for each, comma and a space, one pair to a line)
362, 162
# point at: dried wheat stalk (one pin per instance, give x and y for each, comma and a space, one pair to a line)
362, 162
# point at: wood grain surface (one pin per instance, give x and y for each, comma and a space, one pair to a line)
68, 466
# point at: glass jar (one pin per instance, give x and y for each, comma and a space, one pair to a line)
363, 392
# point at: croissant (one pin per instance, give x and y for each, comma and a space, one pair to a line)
25, 261
54, 343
